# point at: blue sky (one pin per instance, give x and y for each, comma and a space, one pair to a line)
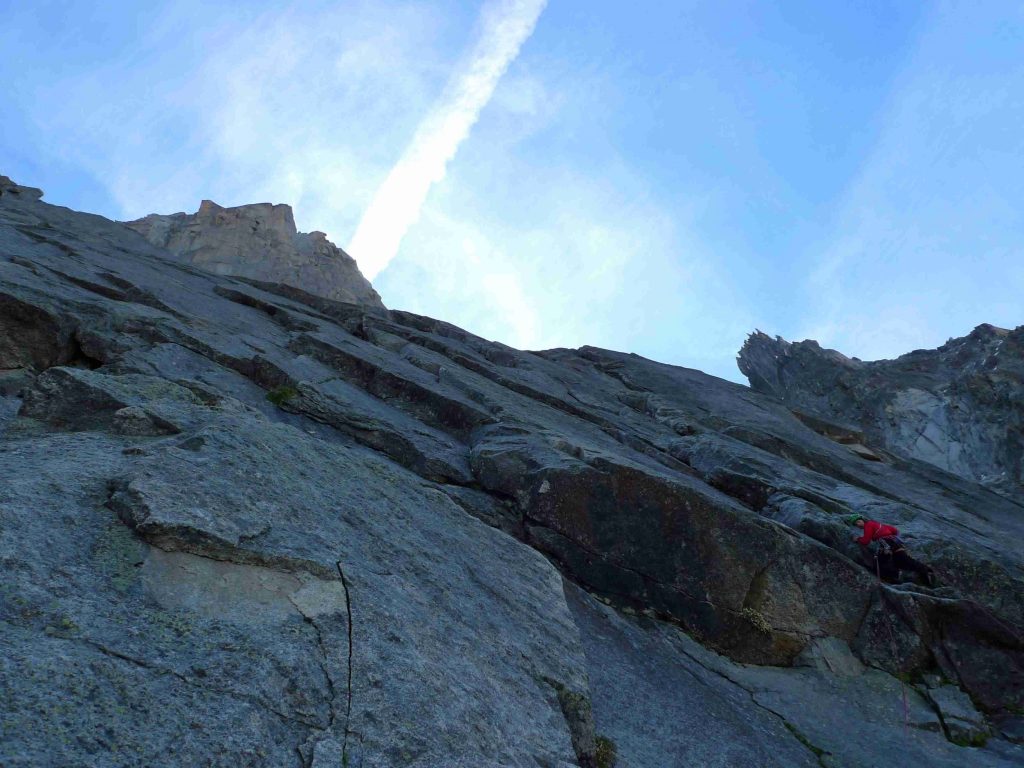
660, 178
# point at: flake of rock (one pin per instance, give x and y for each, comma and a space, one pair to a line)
962, 722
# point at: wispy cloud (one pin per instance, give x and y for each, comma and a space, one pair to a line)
306, 104
927, 239
594, 260
505, 26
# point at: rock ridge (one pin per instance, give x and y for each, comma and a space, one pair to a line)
959, 407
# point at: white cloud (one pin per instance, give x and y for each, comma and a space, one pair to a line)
523, 241
601, 264
506, 25
308, 105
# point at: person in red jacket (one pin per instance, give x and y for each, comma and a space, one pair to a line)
891, 548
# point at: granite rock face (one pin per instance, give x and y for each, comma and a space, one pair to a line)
259, 241
959, 407
245, 525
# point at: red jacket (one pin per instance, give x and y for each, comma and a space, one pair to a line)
874, 530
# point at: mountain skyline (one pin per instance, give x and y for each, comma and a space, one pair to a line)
654, 180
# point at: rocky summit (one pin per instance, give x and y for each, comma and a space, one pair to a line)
244, 523
261, 242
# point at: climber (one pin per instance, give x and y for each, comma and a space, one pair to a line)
879, 561
892, 556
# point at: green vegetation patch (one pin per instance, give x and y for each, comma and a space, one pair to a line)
606, 754
975, 739
281, 395
759, 622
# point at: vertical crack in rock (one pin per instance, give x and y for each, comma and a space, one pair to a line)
348, 702
325, 734
938, 713
325, 667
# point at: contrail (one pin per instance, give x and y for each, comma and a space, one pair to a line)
506, 25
